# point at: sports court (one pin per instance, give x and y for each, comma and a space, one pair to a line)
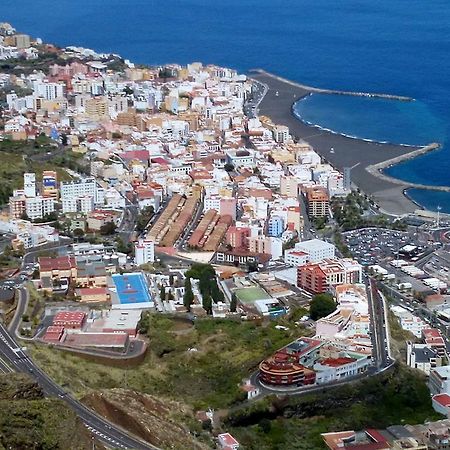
131, 291
251, 294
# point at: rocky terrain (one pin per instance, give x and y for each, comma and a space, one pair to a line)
156, 421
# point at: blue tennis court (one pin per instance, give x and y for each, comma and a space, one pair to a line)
131, 289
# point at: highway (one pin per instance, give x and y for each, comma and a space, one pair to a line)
14, 356
378, 326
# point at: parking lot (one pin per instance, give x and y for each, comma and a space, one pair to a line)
20, 278
438, 265
371, 245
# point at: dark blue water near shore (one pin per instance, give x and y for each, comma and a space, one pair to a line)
399, 47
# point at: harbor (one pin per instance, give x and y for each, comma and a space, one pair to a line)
343, 151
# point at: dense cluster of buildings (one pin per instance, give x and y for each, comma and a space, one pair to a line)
429, 436
171, 137
341, 347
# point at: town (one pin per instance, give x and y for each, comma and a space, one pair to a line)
133, 192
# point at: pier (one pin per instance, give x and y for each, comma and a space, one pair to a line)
377, 169
316, 90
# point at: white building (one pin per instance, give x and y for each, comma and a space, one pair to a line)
49, 91
439, 380
337, 369
29, 184
79, 188
114, 199
295, 258
422, 357
144, 252
316, 249
81, 195
409, 321
39, 207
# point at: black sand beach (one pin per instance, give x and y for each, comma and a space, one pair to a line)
347, 151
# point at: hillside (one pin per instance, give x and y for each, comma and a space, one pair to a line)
28, 421
154, 420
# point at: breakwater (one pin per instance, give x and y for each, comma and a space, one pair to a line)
377, 169
333, 91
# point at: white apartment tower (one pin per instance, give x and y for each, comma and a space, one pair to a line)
144, 252
29, 184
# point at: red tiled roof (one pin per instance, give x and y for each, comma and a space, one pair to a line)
69, 316
336, 362
92, 291
47, 263
375, 435
442, 399
141, 155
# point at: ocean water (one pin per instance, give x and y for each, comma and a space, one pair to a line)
378, 119
399, 47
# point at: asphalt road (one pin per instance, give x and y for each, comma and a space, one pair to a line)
381, 354
111, 435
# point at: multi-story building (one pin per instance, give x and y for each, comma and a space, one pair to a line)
281, 134
237, 237
49, 184
320, 277
287, 366
295, 257
283, 370
81, 195
316, 249
241, 158
275, 226
78, 188
38, 207
17, 206
266, 245
422, 357
223, 205
49, 91
317, 201
439, 380
97, 108
144, 251
29, 184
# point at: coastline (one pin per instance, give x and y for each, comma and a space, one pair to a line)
315, 125
360, 154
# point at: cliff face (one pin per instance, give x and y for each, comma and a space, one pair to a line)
28, 421
156, 421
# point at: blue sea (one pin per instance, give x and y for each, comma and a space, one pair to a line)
399, 47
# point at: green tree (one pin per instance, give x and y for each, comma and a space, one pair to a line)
188, 297
207, 303
108, 229
321, 305
78, 233
144, 218
162, 293
122, 247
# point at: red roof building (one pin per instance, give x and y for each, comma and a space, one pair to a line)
53, 334
60, 263
228, 442
70, 319
113, 341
